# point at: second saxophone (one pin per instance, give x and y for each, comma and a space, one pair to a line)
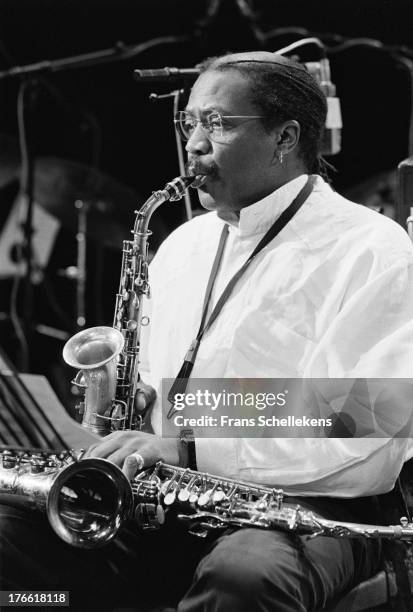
87, 501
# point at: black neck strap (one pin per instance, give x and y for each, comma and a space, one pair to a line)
181, 381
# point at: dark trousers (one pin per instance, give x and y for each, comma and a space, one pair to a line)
242, 570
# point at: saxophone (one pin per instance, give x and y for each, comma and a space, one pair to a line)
108, 357
88, 500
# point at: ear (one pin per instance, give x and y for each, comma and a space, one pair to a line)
287, 136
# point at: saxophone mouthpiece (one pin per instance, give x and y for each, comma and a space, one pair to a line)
177, 187
198, 172
198, 180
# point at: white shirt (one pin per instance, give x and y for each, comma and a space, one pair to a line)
331, 296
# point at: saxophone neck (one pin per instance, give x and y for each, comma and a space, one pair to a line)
173, 191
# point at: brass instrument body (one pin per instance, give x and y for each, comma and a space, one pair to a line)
133, 287
30, 476
86, 501
209, 503
110, 385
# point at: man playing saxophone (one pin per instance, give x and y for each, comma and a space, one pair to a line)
330, 295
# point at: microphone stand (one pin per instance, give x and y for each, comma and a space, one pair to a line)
119, 52
176, 95
187, 199
27, 74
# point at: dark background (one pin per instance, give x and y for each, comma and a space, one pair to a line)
133, 139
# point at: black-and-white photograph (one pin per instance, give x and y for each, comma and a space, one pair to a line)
206, 305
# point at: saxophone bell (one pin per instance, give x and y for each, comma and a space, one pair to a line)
94, 352
86, 501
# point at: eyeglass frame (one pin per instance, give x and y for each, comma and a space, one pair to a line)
201, 122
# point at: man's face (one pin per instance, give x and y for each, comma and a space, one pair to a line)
241, 167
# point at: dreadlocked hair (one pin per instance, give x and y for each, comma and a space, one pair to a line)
282, 90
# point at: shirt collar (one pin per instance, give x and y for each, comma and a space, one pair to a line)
258, 217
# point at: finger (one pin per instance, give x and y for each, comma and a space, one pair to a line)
108, 446
89, 450
133, 463
116, 441
141, 401
138, 446
119, 454
111, 436
144, 397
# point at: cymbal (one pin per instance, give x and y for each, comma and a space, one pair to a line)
59, 183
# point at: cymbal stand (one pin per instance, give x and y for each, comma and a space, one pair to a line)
27, 90
82, 210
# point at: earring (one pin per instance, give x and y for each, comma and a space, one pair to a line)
280, 156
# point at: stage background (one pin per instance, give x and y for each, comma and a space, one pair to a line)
133, 140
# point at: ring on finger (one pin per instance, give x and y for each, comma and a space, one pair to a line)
139, 459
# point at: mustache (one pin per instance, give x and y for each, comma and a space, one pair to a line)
194, 167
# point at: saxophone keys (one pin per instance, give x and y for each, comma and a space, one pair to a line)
263, 504
168, 490
193, 498
218, 496
9, 459
183, 495
165, 487
37, 463
209, 496
204, 498
169, 498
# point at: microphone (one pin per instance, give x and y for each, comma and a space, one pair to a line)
166, 74
334, 123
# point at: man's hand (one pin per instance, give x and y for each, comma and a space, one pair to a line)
144, 401
145, 397
119, 448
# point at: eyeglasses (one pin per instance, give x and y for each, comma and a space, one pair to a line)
215, 125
